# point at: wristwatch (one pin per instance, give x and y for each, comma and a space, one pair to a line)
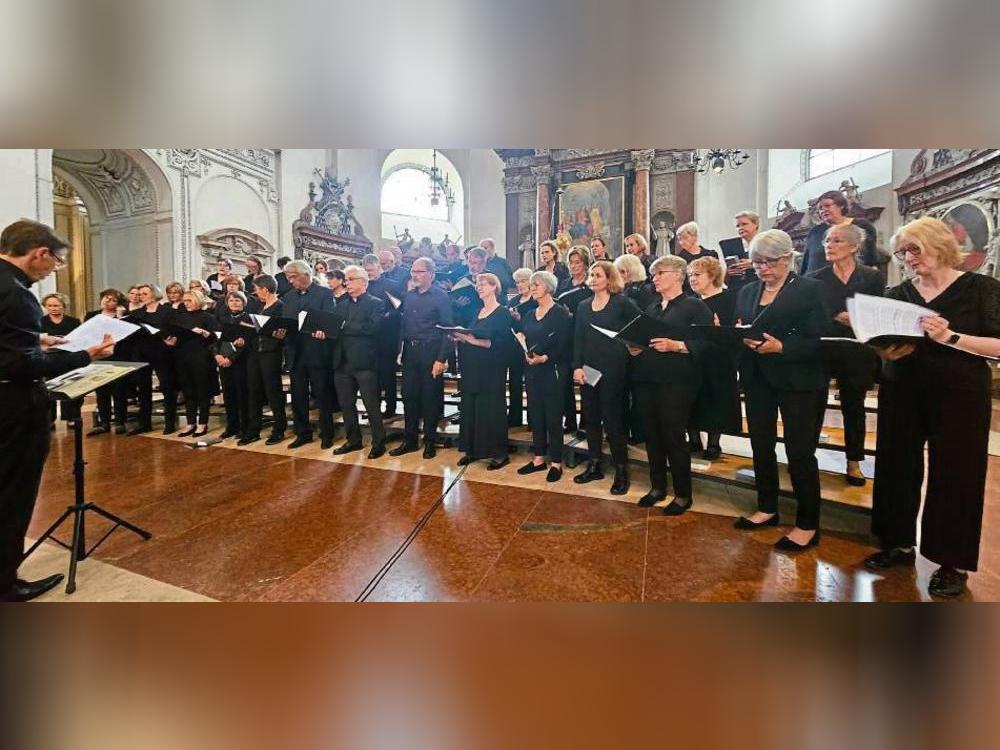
953, 339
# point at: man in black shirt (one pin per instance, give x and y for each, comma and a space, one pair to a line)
29, 252
355, 361
425, 355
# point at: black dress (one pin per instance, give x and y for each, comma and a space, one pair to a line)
553, 337
569, 393
854, 367
938, 396
601, 404
234, 379
483, 426
717, 408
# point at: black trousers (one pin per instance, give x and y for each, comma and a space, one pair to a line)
24, 446
235, 394
348, 384
601, 411
264, 385
955, 426
166, 374
423, 394
113, 394
515, 387
852, 408
544, 384
388, 354
636, 421
666, 409
306, 379
198, 383
798, 416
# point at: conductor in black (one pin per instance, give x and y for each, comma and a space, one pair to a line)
29, 251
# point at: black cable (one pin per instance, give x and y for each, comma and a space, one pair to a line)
387, 565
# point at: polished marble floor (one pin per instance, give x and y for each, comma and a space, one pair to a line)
234, 524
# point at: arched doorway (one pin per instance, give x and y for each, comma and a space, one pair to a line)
114, 206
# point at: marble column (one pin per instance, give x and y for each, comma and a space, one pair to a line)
642, 160
543, 204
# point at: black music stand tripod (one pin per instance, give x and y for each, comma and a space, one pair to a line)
78, 546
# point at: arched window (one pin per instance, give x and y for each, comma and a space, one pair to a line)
824, 160
406, 199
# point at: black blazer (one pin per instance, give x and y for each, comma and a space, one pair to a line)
798, 318
356, 348
305, 349
733, 247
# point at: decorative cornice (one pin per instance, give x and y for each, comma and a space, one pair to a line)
120, 184
590, 171
643, 159
543, 174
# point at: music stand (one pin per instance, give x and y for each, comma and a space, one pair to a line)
74, 385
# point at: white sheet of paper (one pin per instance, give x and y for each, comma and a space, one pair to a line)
261, 319
880, 316
462, 283
520, 340
393, 301
150, 328
216, 286
590, 375
91, 333
302, 317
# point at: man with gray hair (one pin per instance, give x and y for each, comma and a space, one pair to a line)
308, 356
425, 355
355, 361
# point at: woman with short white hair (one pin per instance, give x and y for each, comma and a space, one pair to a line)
781, 371
519, 305
690, 249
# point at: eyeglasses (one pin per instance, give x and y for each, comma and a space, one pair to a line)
913, 250
59, 260
766, 262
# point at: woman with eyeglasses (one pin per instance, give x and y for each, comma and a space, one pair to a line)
570, 292
782, 371
936, 393
832, 208
56, 322
231, 359
854, 367
667, 378
114, 394
196, 361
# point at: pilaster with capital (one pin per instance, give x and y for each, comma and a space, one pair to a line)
543, 205
642, 160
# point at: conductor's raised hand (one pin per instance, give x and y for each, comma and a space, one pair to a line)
103, 350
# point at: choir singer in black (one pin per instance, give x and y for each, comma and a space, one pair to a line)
196, 350
355, 361
548, 334
667, 377
391, 294
425, 356
782, 370
264, 355
308, 357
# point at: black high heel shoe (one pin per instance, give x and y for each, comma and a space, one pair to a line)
200, 432
187, 432
787, 545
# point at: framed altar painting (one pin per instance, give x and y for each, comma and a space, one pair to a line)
970, 224
593, 208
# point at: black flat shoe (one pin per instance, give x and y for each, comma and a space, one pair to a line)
326, 443
947, 582
227, 433
403, 449
787, 545
590, 474
187, 432
377, 451
120, 429
299, 442
25, 591
621, 483
745, 524
465, 460
530, 468
855, 481
275, 439
248, 439
891, 558
347, 448
677, 509
554, 475
651, 498
712, 453
495, 464
101, 430
200, 432
140, 430
430, 451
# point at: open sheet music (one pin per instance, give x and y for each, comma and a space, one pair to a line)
881, 321
91, 333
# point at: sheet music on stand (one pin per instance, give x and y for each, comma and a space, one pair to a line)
81, 381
